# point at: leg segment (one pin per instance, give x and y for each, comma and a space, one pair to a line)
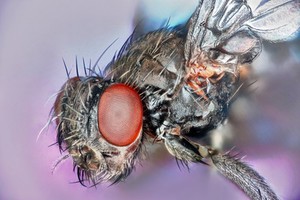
229, 166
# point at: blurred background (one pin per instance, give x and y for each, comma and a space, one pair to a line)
34, 36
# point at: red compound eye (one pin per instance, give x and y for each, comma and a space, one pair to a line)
120, 115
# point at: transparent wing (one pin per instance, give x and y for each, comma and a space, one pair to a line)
276, 20
232, 27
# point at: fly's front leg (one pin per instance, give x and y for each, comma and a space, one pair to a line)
246, 178
233, 168
178, 146
181, 148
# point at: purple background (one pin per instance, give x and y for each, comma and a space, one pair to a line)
35, 35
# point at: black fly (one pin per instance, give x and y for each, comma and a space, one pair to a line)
168, 86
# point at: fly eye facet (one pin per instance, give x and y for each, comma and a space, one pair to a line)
120, 115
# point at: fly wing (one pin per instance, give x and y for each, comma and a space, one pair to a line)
233, 28
276, 20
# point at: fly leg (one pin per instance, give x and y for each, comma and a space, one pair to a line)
233, 168
181, 148
246, 178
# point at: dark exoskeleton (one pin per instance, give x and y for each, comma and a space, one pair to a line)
186, 77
